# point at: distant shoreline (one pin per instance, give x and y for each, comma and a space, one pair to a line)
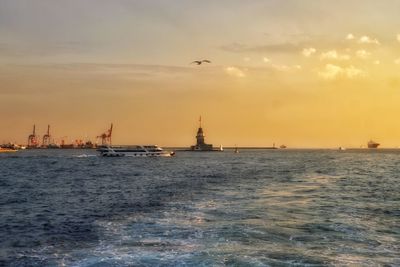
290, 148
242, 148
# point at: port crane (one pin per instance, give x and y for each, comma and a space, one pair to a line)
46, 138
106, 137
33, 139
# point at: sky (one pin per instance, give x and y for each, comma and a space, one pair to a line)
305, 73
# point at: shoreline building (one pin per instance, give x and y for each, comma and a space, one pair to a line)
200, 144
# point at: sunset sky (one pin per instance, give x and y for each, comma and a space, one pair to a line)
306, 73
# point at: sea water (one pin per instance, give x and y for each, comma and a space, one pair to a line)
255, 208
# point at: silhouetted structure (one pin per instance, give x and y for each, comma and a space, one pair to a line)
46, 138
200, 144
33, 139
106, 137
373, 144
66, 146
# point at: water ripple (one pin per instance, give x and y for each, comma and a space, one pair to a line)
256, 208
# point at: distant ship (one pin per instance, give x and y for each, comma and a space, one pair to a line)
10, 147
7, 150
372, 144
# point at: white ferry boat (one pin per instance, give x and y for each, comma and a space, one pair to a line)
134, 151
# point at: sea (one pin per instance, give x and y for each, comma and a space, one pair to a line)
282, 207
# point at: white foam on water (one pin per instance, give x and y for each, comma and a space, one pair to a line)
85, 156
165, 237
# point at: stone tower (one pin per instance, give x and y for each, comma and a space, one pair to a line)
200, 144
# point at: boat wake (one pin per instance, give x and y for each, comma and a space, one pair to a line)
85, 156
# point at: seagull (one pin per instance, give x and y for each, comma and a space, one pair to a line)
199, 62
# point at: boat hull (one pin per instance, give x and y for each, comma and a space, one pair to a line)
7, 150
135, 154
138, 151
372, 144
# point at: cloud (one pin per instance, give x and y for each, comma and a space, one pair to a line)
307, 52
288, 46
397, 61
368, 40
233, 71
398, 37
363, 54
350, 36
333, 54
94, 76
286, 67
285, 47
106, 70
266, 60
331, 72
377, 62
247, 59
353, 72
42, 49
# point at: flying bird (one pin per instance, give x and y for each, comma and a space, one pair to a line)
199, 62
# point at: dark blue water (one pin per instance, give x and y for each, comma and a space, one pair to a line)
255, 208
